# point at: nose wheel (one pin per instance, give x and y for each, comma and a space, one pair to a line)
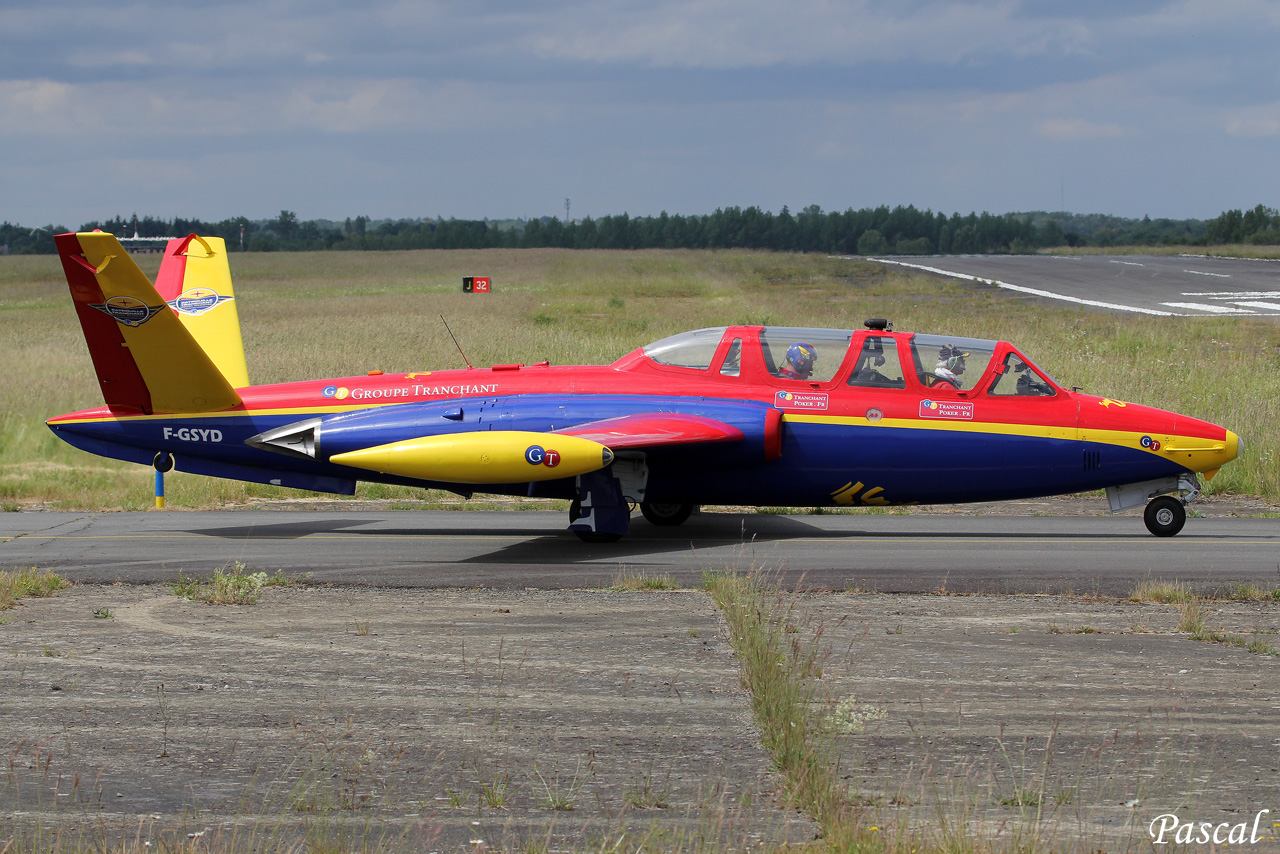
1165, 516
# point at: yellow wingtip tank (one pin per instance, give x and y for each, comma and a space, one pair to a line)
491, 457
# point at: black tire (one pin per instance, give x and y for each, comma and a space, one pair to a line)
163, 462
666, 515
597, 536
1165, 516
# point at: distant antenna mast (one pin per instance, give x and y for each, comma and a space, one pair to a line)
566, 211
455, 340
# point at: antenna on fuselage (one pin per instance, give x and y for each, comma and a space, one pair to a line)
455, 340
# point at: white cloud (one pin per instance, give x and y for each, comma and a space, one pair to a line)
492, 105
21, 99
725, 34
1079, 129
1262, 120
44, 107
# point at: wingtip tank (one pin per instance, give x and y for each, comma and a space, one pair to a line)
489, 457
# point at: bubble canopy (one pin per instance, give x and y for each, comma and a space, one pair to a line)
938, 360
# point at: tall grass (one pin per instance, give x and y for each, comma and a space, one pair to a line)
333, 314
777, 671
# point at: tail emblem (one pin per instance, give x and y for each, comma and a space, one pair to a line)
194, 302
129, 311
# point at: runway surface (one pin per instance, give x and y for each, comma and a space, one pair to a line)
1159, 285
519, 550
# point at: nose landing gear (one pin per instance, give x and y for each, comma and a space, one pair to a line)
1166, 513
1165, 516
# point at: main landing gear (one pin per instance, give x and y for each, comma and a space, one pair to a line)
600, 513
666, 515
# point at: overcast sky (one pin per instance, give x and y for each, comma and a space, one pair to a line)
485, 108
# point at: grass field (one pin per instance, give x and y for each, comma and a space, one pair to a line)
310, 315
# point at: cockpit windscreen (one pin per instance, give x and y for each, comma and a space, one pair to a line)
688, 349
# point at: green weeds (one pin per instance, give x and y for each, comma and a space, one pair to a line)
1165, 592
494, 793
775, 670
229, 585
1193, 615
24, 583
629, 580
557, 794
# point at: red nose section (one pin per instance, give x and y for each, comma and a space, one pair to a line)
1197, 445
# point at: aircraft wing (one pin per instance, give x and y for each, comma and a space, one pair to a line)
652, 429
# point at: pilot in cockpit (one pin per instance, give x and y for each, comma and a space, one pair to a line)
950, 364
800, 359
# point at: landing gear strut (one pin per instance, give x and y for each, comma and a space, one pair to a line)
599, 513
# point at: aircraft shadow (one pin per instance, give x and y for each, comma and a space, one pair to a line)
539, 543
544, 544
283, 530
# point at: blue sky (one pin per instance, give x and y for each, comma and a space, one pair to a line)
483, 108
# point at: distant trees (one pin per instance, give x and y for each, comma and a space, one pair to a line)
902, 230
21, 240
1259, 225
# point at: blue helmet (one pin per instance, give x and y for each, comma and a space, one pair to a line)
802, 356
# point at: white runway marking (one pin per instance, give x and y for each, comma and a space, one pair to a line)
1249, 302
1235, 294
1206, 307
1201, 273
1032, 291
1129, 263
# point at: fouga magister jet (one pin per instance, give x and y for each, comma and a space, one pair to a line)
742, 415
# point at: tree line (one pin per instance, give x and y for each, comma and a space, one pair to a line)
1260, 225
902, 230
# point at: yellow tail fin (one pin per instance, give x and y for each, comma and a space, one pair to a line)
195, 281
145, 358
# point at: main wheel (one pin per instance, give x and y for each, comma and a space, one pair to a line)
1165, 516
666, 514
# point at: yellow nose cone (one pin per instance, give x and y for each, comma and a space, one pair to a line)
1204, 455
490, 457
1235, 446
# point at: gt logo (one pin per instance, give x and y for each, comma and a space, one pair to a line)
536, 455
193, 434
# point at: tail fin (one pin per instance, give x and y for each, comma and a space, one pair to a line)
196, 282
145, 358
